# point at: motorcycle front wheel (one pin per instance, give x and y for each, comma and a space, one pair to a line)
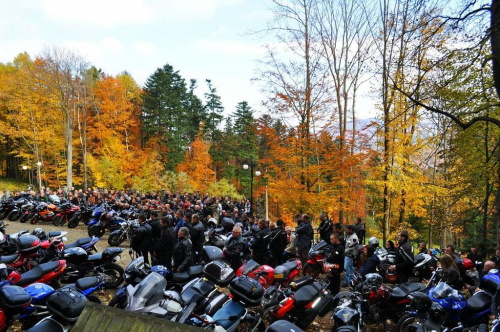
73, 222
113, 275
96, 231
59, 221
408, 323
13, 216
115, 239
3, 214
24, 218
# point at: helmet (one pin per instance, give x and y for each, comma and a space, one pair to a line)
373, 241
467, 263
39, 233
391, 276
373, 281
381, 254
165, 272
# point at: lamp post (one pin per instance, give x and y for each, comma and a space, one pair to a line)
38, 164
257, 173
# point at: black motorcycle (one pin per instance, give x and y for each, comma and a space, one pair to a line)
81, 264
347, 312
83, 215
125, 232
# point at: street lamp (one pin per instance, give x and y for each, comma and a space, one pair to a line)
257, 173
38, 164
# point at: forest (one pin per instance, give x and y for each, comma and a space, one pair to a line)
429, 162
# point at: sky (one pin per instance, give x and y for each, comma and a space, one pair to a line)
202, 39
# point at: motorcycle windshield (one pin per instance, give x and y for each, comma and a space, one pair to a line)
148, 292
249, 267
318, 246
137, 263
442, 291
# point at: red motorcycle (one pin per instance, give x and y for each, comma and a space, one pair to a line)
27, 252
317, 255
268, 276
46, 273
43, 212
66, 212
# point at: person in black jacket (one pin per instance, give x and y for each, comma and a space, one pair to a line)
336, 258
278, 242
142, 239
154, 222
303, 237
183, 251
197, 232
165, 244
325, 227
404, 258
233, 248
261, 243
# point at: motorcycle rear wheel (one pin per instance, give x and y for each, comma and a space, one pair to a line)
13, 216
405, 322
24, 218
59, 221
312, 270
113, 275
116, 239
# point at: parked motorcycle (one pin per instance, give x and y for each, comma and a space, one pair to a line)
317, 255
82, 215
267, 275
47, 273
125, 232
66, 211
43, 212
347, 312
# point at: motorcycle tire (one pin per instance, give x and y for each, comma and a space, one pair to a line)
93, 298
404, 323
117, 302
97, 231
3, 214
312, 270
33, 220
113, 275
54, 284
115, 240
59, 221
13, 216
24, 218
73, 222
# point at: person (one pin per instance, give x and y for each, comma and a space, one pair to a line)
179, 218
391, 251
475, 256
183, 251
298, 218
450, 250
197, 232
233, 247
488, 265
261, 243
303, 236
278, 242
166, 243
496, 259
290, 250
450, 273
142, 239
325, 227
359, 229
351, 251
154, 222
403, 264
372, 261
337, 228
336, 257
422, 248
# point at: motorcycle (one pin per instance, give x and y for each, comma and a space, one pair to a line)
13, 300
299, 303
43, 212
81, 264
267, 276
108, 220
82, 215
86, 243
27, 253
66, 211
17, 210
347, 313
27, 211
44, 273
317, 256
215, 237
423, 267
125, 232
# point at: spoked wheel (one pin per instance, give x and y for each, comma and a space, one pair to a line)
311, 270
408, 323
113, 275
115, 239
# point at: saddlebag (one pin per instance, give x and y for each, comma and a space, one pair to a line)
66, 303
28, 244
211, 253
13, 298
246, 290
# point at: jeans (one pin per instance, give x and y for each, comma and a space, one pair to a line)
349, 269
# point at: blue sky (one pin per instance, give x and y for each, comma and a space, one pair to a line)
200, 38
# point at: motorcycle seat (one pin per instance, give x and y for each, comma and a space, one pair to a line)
95, 257
8, 259
195, 270
181, 277
78, 243
403, 290
478, 302
54, 234
88, 282
46, 325
36, 273
231, 309
306, 294
290, 265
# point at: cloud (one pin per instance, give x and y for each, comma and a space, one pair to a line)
145, 48
228, 47
98, 12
